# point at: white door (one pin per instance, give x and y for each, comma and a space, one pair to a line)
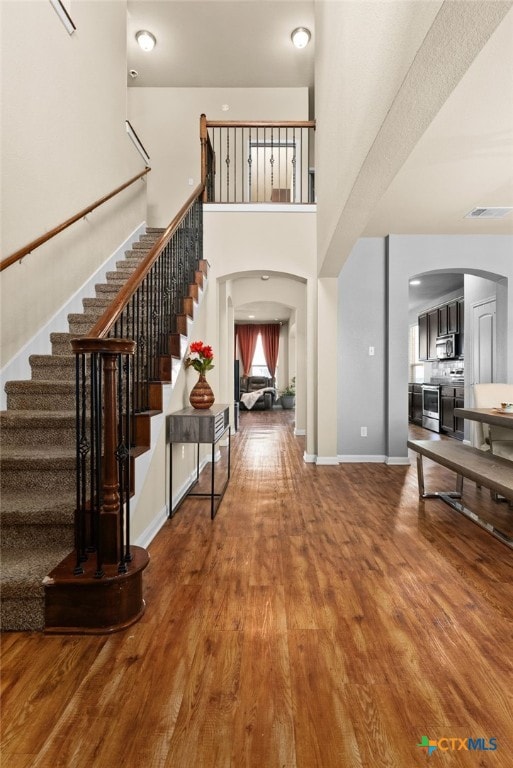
484, 343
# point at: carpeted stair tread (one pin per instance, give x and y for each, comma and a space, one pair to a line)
44, 386
31, 428
29, 455
31, 508
23, 576
36, 418
40, 394
61, 343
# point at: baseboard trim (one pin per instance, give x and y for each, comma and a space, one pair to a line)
326, 461
299, 432
361, 459
309, 458
147, 536
398, 461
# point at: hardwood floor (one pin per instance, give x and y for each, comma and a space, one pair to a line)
325, 619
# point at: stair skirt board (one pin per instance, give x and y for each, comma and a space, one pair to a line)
38, 590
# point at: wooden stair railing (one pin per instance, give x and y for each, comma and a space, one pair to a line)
19, 254
119, 364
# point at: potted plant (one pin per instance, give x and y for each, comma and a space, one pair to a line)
288, 395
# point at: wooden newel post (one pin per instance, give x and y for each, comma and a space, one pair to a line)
108, 350
204, 155
109, 524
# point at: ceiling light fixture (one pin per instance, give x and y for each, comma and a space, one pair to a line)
146, 40
264, 277
301, 37
414, 282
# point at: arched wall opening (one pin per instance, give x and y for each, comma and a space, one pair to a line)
406, 257
241, 290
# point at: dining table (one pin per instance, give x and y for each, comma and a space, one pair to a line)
495, 416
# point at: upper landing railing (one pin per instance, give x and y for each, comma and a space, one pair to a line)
257, 161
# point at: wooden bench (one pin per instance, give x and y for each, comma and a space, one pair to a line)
482, 467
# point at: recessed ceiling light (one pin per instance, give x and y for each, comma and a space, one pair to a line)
251, 317
264, 277
301, 37
414, 282
146, 40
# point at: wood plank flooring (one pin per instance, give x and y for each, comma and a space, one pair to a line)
325, 619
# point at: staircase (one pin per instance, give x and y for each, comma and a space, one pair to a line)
37, 462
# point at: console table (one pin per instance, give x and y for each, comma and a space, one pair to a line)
191, 425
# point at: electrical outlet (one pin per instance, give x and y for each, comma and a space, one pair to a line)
191, 182
363, 431
371, 351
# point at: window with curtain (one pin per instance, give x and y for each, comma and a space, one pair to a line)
259, 365
258, 348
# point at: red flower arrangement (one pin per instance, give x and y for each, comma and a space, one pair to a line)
200, 357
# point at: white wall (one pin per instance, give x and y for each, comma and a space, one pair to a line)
168, 123
63, 146
150, 506
362, 378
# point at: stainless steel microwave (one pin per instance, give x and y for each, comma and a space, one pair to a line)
446, 347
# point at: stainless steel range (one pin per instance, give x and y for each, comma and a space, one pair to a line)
431, 407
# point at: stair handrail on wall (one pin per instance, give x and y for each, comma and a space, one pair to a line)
258, 161
120, 365
21, 252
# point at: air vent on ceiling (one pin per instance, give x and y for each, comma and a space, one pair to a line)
488, 213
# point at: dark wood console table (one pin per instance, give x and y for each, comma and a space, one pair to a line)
191, 425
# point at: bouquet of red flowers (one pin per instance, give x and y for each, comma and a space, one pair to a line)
200, 357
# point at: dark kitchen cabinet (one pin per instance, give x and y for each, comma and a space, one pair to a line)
441, 321
451, 398
459, 423
415, 403
447, 409
460, 339
428, 331
453, 317
432, 318
423, 337
448, 318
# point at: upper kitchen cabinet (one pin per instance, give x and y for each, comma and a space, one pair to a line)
448, 318
444, 320
428, 331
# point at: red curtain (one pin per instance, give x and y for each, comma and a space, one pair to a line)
271, 344
247, 335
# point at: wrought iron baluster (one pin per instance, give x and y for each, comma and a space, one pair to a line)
96, 457
272, 161
128, 441
121, 455
250, 163
294, 198
227, 162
